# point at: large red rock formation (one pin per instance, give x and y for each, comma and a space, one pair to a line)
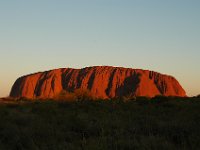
102, 82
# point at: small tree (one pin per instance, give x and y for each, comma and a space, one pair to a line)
65, 96
83, 94
130, 97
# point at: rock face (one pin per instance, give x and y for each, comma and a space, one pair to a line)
102, 82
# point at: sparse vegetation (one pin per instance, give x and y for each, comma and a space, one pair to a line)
159, 123
77, 95
82, 95
65, 96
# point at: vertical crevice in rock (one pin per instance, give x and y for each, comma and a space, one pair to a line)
110, 82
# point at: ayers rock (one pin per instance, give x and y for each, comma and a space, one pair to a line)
102, 82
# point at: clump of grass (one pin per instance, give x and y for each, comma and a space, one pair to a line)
83, 94
65, 96
77, 95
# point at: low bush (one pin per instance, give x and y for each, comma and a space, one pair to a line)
77, 95
65, 96
82, 94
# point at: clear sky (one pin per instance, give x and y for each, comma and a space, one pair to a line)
159, 35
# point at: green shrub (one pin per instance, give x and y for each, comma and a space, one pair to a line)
82, 94
65, 96
77, 95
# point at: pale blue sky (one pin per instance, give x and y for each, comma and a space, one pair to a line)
159, 35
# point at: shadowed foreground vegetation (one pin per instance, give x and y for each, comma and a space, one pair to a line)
159, 123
